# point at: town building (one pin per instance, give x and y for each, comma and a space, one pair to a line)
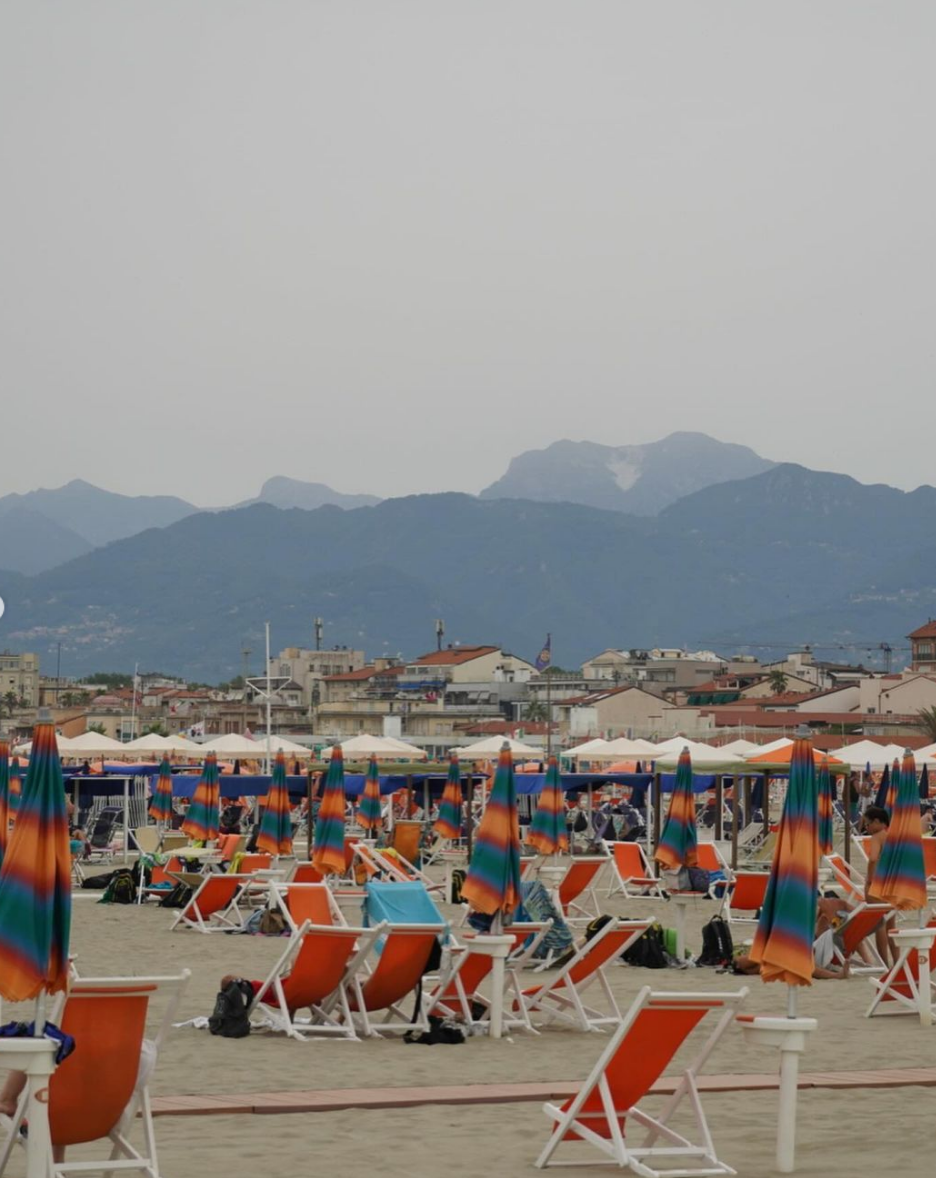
19, 680
923, 648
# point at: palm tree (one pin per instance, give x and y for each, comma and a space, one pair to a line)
926, 722
11, 701
778, 682
534, 711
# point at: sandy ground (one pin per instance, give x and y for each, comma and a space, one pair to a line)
841, 1132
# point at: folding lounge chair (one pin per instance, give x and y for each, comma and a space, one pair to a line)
403, 954
929, 861
632, 875
306, 873
161, 874
393, 867
312, 902
744, 897
560, 998
96, 1093
845, 878
898, 992
652, 1031
710, 859
147, 839
316, 966
213, 908
858, 927
579, 882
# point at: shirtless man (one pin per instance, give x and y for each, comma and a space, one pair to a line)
876, 822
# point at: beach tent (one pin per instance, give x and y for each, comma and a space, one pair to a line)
384, 748
587, 751
89, 744
490, 748
624, 749
740, 747
704, 757
234, 746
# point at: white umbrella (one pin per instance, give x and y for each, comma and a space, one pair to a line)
279, 744
590, 749
484, 750
150, 743
625, 749
89, 744
772, 746
741, 747
703, 757
232, 745
363, 747
865, 752
414, 752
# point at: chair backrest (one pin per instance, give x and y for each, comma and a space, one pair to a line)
862, 923
254, 862
900, 986
147, 839
319, 965
747, 893
306, 873
474, 970
215, 893
401, 964
405, 838
600, 950
310, 902
90, 1090
929, 857
707, 857
401, 904
580, 875
630, 861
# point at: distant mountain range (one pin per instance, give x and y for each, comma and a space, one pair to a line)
283, 492
787, 555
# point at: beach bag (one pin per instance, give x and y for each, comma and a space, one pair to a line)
676, 879
229, 1017
97, 882
699, 879
272, 924
178, 897
717, 944
120, 889
458, 882
648, 950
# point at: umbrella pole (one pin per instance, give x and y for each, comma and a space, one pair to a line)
309, 815
126, 821
734, 826
469, 817
847, 798
719, 802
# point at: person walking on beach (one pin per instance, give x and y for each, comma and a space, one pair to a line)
876, 823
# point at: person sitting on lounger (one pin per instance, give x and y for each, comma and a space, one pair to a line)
830, 911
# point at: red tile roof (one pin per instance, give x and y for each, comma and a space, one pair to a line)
453, 656
927, 631
351, 676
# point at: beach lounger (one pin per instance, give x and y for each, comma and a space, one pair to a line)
255, 861
315, 967
403, 952
845, 878
305, 873
929, 861
378, 864
898, 992
632, 875
578, 884
313, 903
147, 839
606, 1108
160, 875
744, 897
560, 998
763, 853
857, 928
96, 1093
710, 859
213, 908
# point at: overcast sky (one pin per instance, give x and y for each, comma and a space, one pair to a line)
388, 244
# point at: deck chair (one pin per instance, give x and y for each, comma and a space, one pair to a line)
377, 863
929, 860
405, 838
172, 840
651, 1033
632, 875
255, 861
457, 992
147, 839
845, 878
96, 1093
305, 873
744, 897
213, 908
403, 952
898, 992
313, 903
161, 874
579, 883
316, 966
762, 855
858, 927
710, 859
403, 903
560, 998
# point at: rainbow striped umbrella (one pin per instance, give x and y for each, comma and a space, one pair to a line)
548, 832
275, 836
369, 812
900, 877
493, 881
893, 787
35, 881
783, 943
883, 789
329, 853
201, 821
448, 824
16, 788
160, 807
4, 796
677, 846
825, 809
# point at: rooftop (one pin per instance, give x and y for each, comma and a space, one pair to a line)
453, 656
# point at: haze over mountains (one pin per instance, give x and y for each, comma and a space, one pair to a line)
783, 556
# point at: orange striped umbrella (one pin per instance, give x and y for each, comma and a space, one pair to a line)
329, 853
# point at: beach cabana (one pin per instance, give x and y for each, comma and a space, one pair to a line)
485, 750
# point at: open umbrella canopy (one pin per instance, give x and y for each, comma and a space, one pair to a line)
678, 841
160, 807
448, 822
236, 747
384, 748
369, 813
328, 855
491, 746
780, 757
89, 744
591, 748
35, 881
279, 744
4, 797
548, 832
704, 757
275, 835
201, 821
783, 943
152, 742
492, 885
826, 804
900, 878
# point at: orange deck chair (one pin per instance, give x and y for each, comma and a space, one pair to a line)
314, 967
403, 952
898, 992
579, 882
95, 1094
845, 878
312, 902
213, 908
306, 873
929, 860
560, 998
161, 874
652, 1031
632, 876
861, 923
744, 897
255, 861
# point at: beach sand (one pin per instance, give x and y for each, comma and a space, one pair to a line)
841, 1132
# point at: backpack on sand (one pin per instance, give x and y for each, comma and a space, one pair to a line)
120, 889
717, 943
648, 951
229, 1017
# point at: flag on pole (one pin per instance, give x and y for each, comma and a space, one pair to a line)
544, 658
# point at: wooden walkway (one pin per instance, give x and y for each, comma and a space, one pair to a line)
327, 1100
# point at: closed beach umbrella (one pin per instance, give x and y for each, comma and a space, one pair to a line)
893, 786
548, 832
900, 877
4, 796
328, 855
492, 885
15, 789
825, 810
35, 881
275, 837
160, 807
924, 784
448, 822
783, 943
201, 821
677, 846
883, 789
369, 814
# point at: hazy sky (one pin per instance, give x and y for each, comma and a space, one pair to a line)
387, 244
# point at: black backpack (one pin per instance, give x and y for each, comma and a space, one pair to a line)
647, 951
717, 944
178, 897
120, 889
458, 881
229, 1017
